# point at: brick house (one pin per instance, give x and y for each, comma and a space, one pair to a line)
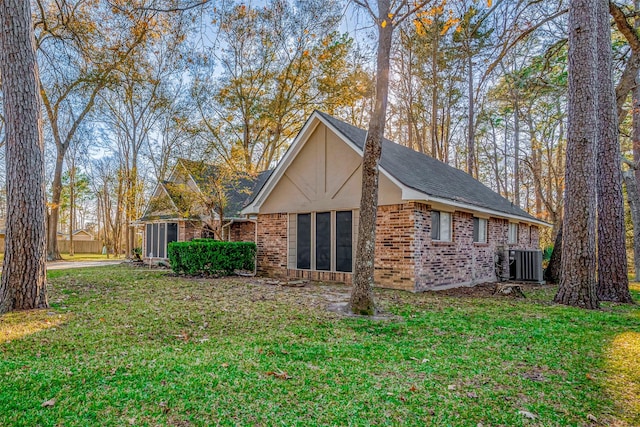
437, 226
176, 212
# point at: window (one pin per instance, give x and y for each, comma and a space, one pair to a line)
162, 240
323, 241
344, 241
158, 237
304, 241
329, 234
479, 230
441, 226
513, 233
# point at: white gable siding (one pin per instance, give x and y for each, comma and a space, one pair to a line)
324, 176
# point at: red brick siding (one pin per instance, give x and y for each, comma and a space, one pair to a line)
189, 230
458, 262
535, 237
272, 244
394, 266
242, 232
462, 262
406, 257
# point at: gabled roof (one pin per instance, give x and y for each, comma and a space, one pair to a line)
421, 177
202, 173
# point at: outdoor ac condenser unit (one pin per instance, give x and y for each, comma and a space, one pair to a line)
525, 266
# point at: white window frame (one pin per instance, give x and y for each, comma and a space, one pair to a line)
483, 225
512, 236
437, 235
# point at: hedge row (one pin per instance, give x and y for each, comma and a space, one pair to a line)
211, 257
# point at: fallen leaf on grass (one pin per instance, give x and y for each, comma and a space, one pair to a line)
413, 388
528, 414
48, 403
279, 374
472, 395
164, 406
183, 336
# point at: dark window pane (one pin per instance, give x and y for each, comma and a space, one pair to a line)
172, 232
154, 241
344, 241
304, 241
435, 225
149, 238
323, 241
476, 230
162, 243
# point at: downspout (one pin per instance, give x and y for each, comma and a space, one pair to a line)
255, 240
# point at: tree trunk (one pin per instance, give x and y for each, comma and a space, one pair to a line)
471, 145
633, 179
516, 150
633, 197
613, 282
434, 94
362, 292
578, 275
54, 211
72, 208
23, 283
552, 272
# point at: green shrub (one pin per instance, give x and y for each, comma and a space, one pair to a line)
211, 257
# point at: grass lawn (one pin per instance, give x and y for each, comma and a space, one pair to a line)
127, 346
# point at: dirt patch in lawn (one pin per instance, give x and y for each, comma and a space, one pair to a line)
488, 290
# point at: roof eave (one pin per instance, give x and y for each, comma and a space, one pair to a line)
410, 194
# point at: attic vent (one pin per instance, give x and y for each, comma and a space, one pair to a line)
525, 265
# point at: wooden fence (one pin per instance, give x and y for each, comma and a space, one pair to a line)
79, 246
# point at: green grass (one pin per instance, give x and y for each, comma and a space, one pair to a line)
126, 346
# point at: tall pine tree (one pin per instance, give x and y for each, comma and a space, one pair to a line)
613, 282
23, 284
578, 275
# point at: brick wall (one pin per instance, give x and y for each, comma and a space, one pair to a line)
242, 231
189, 230
272, 244
458, 262
462, 261
394, 266
406, 256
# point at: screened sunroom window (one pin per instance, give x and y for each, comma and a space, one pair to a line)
321, 241
158, 237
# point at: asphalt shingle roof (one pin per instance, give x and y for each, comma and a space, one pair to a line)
428, 175
238, 193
